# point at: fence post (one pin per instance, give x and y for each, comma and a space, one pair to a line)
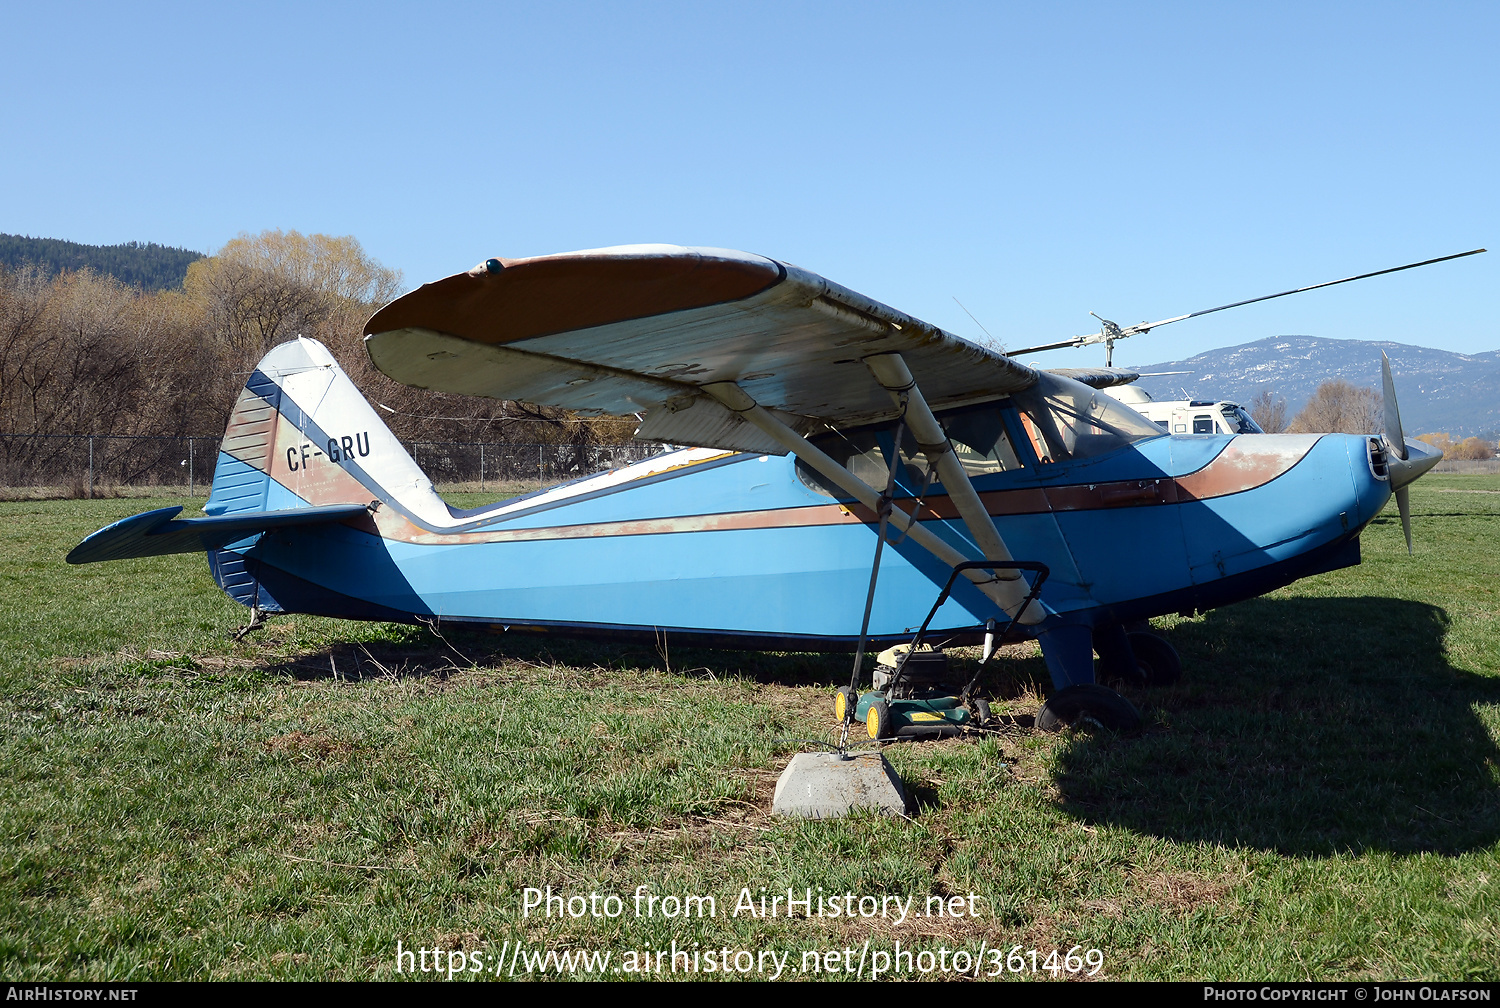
91, 467
539, 477
190, 469
481, 468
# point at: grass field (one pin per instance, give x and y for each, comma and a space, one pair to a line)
1318, 799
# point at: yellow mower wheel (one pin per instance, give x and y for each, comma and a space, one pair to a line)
878, 720
843, 704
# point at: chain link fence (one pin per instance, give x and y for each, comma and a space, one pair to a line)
110, 465
1468, 466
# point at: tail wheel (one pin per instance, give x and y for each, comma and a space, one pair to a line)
843, 704
1088, 705
1157, 658
878, 720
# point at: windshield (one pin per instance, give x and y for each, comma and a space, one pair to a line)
1066, 419
1239, 421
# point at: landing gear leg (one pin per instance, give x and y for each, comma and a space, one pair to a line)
1077, 700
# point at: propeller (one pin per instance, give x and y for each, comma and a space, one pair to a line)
1395, 440
1405, 460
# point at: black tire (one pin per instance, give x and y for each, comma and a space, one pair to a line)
1157, 658
878, 720
1137, 677
1088, 704
981, 708
844, 703
1117, 667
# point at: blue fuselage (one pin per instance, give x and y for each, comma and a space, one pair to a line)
742, 550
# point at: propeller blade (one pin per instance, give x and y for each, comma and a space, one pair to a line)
1393, 434
1403, 504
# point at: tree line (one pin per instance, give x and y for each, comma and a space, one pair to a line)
83, 352
145, 265
1340, 407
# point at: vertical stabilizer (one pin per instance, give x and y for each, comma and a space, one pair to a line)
301, 434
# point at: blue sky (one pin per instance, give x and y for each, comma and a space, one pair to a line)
1036, 161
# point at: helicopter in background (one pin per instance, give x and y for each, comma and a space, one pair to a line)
1187, 416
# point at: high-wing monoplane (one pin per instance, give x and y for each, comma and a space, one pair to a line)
816, 421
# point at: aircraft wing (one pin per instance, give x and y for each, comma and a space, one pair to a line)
154, 533
636, 329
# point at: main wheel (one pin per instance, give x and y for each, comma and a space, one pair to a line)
1117, 667
1117, 675
844, 702
1157, 658
878, 720
1088, 704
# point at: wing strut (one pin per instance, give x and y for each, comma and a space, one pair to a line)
895, 377
1009, 595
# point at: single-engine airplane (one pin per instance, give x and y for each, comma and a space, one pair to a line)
801, 399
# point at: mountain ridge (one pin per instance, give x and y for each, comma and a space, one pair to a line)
1439, 390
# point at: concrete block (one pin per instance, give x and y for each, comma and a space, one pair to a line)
823, 785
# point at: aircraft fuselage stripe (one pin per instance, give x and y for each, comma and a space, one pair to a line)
1234, 470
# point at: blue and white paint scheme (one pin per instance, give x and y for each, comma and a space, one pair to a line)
793, 390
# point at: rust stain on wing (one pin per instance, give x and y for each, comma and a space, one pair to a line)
542, 295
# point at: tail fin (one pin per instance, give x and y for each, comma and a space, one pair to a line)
301, 435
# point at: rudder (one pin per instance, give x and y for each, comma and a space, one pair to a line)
301, 435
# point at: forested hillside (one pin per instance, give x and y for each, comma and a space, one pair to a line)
81, 352
146, 265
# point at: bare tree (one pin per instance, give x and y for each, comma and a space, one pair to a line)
83, 354
260, 290
1338, 407
1268, 410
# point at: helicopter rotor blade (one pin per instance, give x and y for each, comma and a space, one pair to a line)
1112, 332
1148, 326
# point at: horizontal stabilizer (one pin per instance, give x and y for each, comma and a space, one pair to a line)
155, 533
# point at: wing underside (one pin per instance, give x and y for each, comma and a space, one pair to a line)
639, 330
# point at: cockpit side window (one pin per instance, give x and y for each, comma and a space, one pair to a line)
977, 433
1065, 419
855, 450
979, 441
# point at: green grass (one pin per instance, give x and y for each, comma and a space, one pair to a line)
1318, 799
